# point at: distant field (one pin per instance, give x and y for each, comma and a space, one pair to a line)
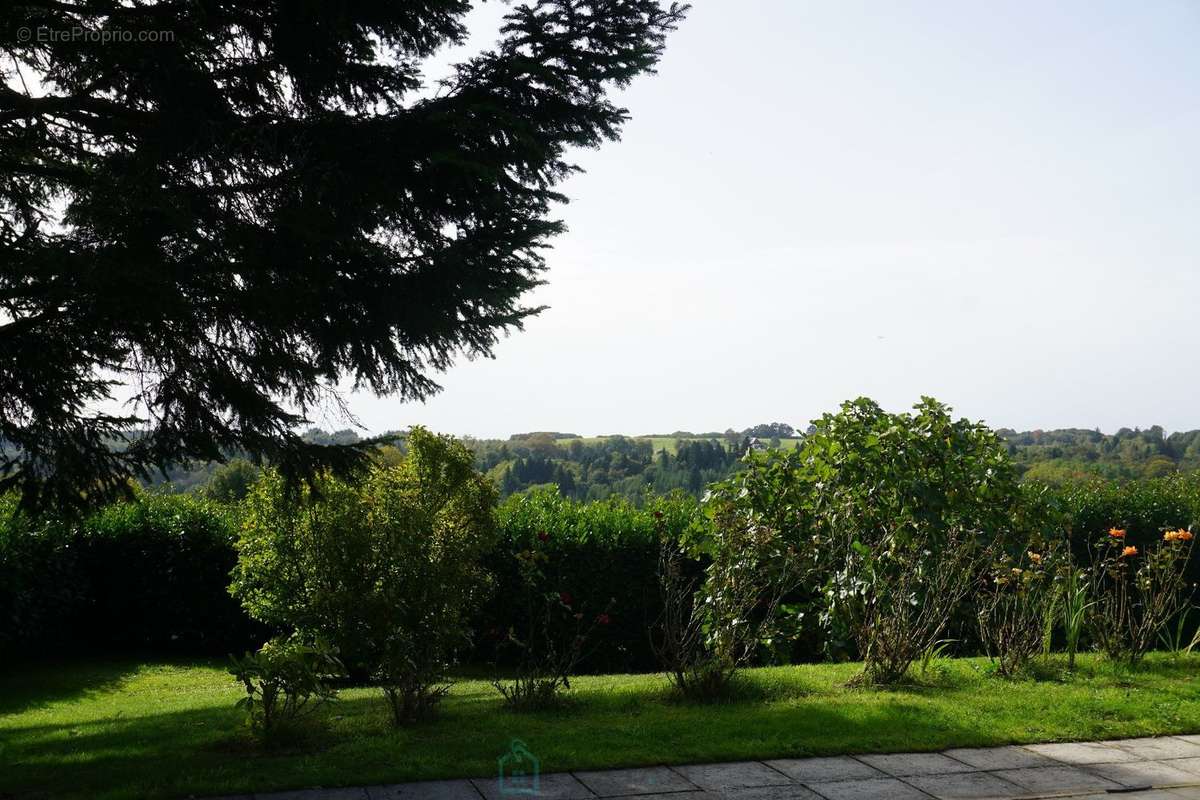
662, 442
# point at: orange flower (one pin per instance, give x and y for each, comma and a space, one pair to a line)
1129, 551
1116, 533
1180, 535
1035, 558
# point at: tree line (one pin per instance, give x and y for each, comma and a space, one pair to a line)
630, 467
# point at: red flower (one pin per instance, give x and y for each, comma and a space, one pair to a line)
602, 619
543, 536
658, 515
565, 598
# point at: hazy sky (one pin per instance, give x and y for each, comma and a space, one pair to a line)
992, 203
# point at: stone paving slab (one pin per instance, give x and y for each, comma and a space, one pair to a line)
993, 758
1147, 794
1143, 774
790, 791
1056, 780
425, 790
966, 786
869, 789
824, 770
905, 764
1078, 753
624, 782
1149, 768
1155, 748
555, 786
734, 775
349, 793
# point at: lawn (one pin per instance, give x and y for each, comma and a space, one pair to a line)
123, 729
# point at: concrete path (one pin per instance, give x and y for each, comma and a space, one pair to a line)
1158, 768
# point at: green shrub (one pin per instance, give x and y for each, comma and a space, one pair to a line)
386, 570
751, 563
906, 509
1142, 508
283, 681
231, 482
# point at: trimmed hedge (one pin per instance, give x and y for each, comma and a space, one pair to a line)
604, 554
1144, 508
152, 574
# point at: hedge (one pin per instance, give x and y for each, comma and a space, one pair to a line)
604, 554
153, 574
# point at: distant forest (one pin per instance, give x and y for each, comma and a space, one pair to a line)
594, 468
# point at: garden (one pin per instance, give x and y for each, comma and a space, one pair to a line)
887, 585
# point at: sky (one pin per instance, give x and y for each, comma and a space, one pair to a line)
995, 204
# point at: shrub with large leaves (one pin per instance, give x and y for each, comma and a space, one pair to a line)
905, 509
387, 570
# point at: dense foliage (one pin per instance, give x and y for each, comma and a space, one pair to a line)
601, 556
877, 518
1073, 455
631, 467
248, 201
711, 627
386, 570
283, 681
147, 574
906, 509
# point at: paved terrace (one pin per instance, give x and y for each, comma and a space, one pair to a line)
1158, 768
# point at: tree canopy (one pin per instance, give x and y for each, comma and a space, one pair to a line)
228, 207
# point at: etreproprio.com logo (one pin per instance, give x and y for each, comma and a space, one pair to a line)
78, 33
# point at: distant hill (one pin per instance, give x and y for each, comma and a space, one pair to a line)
596, 467
1075, 454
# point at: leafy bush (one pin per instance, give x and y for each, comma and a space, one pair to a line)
1137, 590
231, 482
284, 680
386, 570
707, 634
906, 509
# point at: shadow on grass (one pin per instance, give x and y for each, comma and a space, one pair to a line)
204, 752
208, 751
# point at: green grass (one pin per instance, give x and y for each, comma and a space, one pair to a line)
127, 729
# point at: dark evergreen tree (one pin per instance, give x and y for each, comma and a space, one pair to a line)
232, 215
